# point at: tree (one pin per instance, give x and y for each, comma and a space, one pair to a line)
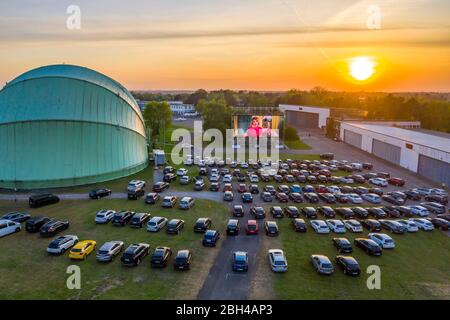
290, 133
157, 115
216, 114
195, 97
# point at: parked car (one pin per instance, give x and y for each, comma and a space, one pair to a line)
228, 196
412, 194
296, 197
247, 197
345, 213
299, 225
169, 202
372, 225
372, 198
353, 225
233, 227
392, 226
343, 245
419, 211
327, 197
82, 249
277, 260
16, 216
309, 212
276, 212
383, 240
139, 219
291, 212
434, 207
186, 203
354, 198
327, 212
251, 227
335, 225
40, 200
160, 257
266, 196
322, 264
169, 177
99, 193
174, 226
360, 212
53, 227
423, 224
152, 198
391, 211
377, 213
210, 238
104, 216
441, 199
183, 260
240, 261
271, 228
62, 244
394, 200
121, 218
109, 251
34, 224
440, 223
135, 185
369, 246
379, 182
349, 265
156, 223
184, 180
214, 186
396, 182
199, 185
258, 212
319, 226
409, 226
134, 254
160, 186
202, 224
311, 197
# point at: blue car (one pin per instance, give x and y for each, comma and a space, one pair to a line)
210, 238
308, 188
240, 261
295, 188
247, 197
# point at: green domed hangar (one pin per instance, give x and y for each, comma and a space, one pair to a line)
65, 125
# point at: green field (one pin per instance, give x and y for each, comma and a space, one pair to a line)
29, 273
297, 144
416, 269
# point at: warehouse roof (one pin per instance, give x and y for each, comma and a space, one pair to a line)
414, 137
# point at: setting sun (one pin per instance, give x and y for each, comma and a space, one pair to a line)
362, 68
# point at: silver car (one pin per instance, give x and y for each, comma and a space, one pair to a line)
156, 223
109, 250
322, 264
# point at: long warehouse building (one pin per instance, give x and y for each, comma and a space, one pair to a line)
425, 154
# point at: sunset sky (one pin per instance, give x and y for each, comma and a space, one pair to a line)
234, 44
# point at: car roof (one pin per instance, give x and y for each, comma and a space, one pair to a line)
321, 257
183, 253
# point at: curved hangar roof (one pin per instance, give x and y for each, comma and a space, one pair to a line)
63, 125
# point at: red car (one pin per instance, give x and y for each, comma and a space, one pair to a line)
251, 227
396, 182
321, 189
242, 188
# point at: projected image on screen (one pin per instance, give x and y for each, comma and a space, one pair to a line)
256, 125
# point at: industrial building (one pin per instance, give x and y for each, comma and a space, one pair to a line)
423, 153
303, 117
65, 125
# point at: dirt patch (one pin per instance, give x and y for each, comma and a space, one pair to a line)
108, 285
437, 290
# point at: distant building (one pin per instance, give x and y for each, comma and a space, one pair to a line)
303, 117
177, 107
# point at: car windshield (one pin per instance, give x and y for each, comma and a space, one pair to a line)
102, 251
76, 250
327, 265
252, 227
158, 253
279, 263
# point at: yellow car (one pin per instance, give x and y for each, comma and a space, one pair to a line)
82, 249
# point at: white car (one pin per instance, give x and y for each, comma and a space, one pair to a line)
104, 216
188, 161
214, 178
423, 224
346, 180
134, 185
228, 178
337, 226
333, 189
380, 182
354, 198
320, 226
62, 244
201, 163
156, 223
353, 225
182, 172
7, 227
372, 198
185, 180
277, 260
409, 225
254, 178
244, 165
383, 240
420, 211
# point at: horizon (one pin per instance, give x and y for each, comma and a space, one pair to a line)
274, 45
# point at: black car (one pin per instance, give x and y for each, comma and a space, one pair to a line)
271, 189
247, 197
301, 178
183, 260
258, 212
139, 219
345, 213
16, 216
214, 186
174, 226
372, 225
271, 228
437, 198
360, 212
349, 265
52, 227
327, 156
202, 224
99, 193
34, 224
327, 197
343, 245
169, 177
384, 175
434, 207
440, 223
136, 194
296, 197
40, 200
265, 177
276, 212
309, 212
359, 179
152, 198
291, 212
121, 218
377, 191
282, 197
238, 210
283, 188
391, 211
134, 254
369, 246
393, 226
367, 166
266, 197
169, 169
160, 186
413, 195
311, 197
394, 200
253, 189
377, 213
203, 172
347, 189
299, 225
160, 257
327, 212
233, 227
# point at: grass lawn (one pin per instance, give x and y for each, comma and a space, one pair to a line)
416, 269
29, 273
297, 144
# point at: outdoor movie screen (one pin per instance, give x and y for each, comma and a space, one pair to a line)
256, 125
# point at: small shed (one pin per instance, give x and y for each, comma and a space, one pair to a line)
159, 157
